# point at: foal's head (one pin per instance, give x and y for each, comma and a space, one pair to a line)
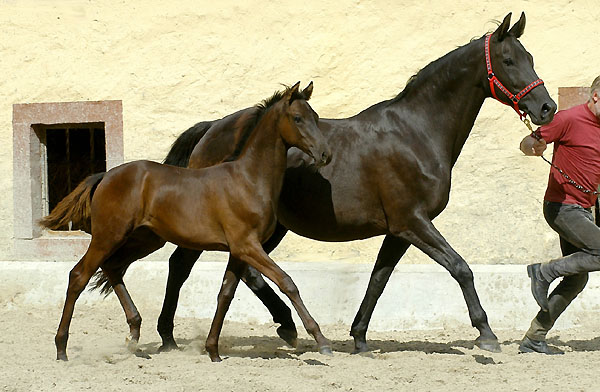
513, 66
298, 124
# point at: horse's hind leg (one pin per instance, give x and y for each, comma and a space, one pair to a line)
235, 269
390, 253
78, 278
180, 265
425, 236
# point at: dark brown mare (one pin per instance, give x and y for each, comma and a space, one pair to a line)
390, 174
228, 207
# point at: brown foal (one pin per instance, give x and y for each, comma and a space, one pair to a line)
227, 207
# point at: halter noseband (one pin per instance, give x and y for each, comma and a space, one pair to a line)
494, 82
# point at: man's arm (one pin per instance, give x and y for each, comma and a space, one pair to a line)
532, 146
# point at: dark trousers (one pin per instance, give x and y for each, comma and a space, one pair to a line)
580, 245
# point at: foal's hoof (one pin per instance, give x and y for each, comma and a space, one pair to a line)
289, 335
490, 345
140, 354
215, 358
326, 350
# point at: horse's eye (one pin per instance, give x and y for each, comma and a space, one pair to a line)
297, 119
508, 61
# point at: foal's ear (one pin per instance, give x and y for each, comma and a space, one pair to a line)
502, 30
292, 93
307, 92
519, 27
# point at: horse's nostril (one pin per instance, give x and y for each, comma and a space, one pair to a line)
546, 108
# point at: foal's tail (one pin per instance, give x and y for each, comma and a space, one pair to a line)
181, 149
75, 207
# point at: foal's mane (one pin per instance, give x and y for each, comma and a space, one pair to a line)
249, 122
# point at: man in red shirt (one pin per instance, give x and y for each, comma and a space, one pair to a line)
574, 178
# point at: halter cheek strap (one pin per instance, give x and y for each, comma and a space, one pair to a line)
494, 82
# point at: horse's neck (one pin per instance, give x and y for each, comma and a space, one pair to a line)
449, 98
265, 155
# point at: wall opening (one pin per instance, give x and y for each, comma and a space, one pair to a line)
55, 146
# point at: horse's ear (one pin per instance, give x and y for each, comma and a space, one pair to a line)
502, 30
519, 27
307, 92
292, 93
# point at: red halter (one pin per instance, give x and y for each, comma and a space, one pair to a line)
495, 82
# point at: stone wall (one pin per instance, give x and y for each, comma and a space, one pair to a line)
174, 65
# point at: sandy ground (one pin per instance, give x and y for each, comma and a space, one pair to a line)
256, 360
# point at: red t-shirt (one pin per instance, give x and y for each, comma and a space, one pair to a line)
575, 133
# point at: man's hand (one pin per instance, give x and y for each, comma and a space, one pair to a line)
532, 146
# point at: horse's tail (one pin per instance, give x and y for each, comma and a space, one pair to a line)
75, 207
181, 149
101, 280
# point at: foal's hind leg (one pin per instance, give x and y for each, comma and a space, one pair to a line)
78, 278
391, 251
256, 257
235, 268
425, 236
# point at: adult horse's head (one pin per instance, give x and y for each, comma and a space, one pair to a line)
510, 67
299, 125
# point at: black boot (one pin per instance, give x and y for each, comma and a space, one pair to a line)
537, 346
539, 286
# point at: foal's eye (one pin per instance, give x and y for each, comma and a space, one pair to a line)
297, 119
508, 61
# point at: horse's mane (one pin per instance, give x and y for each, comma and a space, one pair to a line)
248, 123
431, 68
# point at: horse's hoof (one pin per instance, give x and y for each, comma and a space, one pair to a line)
168, 346
131, 344
326, 350
61, 357
360, 347
215, 358
289, 335
490, 345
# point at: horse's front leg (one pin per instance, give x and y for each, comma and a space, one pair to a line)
427, 238
390, 253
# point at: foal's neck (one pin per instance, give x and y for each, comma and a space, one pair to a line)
264, 157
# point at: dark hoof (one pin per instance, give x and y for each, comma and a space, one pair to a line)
170, 346
539, 286
360, 346
490, 345
61, 357
289, 335
215, 358
538, 346
326, 350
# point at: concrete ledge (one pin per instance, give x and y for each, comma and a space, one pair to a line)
416, 297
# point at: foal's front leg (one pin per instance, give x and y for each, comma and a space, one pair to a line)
235, 269
255, 256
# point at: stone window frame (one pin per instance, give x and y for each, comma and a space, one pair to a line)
30, 240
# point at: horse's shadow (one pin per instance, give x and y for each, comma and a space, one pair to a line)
575, 345
270, 347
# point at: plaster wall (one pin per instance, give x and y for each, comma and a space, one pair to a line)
175, 64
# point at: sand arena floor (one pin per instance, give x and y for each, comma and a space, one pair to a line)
255, 359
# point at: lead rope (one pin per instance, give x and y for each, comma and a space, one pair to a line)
565, 175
